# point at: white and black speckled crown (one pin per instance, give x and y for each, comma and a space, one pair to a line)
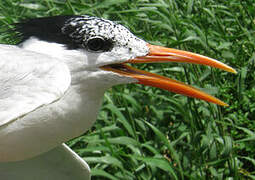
74, 31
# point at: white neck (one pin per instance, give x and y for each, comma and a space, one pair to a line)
75, 59
88, 83
79, 62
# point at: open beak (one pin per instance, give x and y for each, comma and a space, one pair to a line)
162, 54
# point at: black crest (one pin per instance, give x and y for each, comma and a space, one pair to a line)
46, 28
92, 33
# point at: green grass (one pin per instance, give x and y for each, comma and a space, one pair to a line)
147, 133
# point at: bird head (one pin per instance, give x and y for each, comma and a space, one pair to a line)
107, 47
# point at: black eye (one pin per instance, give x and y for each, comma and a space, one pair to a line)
98, 44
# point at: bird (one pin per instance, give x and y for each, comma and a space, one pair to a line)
52, 83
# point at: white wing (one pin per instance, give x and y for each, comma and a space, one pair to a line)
60, 163
28, 80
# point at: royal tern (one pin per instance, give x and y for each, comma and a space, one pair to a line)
52, 84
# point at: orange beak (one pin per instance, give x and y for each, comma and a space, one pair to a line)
162, 54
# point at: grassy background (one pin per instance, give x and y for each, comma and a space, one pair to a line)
146, 133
